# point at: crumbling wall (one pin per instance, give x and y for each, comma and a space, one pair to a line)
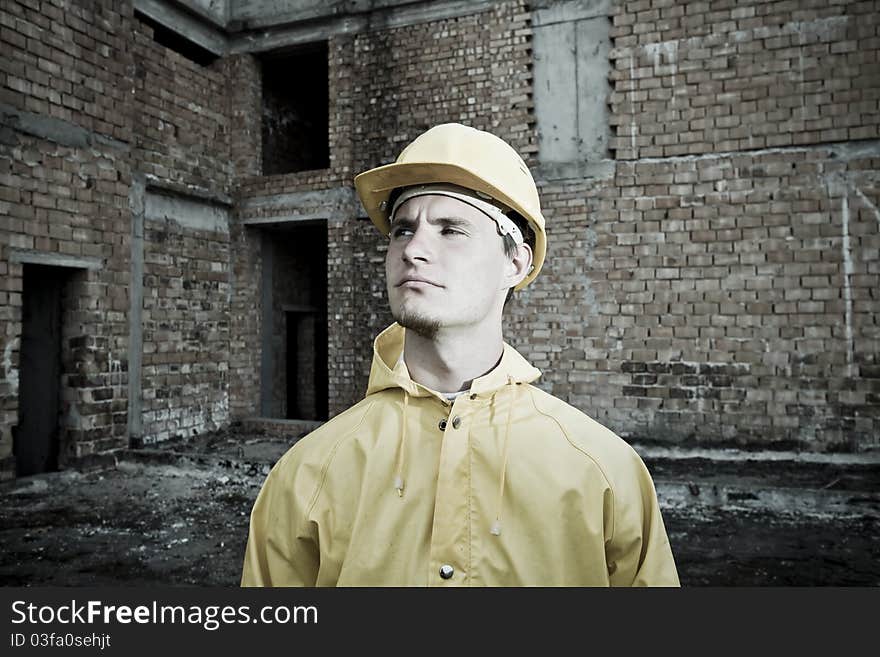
725, 272
242, 73
183, 153
90, 103
185, 318
181, 123
64, 181
714, 281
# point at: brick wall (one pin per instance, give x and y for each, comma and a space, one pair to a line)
702, 77
473, 69
183, 147
64, 181
185, 330
94, 380
68, 61
727, 317
718, 286
242, 73
89, 101
721, 286
181, 123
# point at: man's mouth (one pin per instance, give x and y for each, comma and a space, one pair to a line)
416, 282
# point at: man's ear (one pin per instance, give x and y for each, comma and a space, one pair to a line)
519, 266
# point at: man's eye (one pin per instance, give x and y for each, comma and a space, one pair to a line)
452, 231
400, 232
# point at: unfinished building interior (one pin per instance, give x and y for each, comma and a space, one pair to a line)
181, 248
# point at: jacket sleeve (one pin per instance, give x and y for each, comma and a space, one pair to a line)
282, 546
638, 552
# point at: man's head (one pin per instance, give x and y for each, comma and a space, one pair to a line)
446, 263
460, 206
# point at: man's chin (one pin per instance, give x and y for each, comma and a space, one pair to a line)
422, 325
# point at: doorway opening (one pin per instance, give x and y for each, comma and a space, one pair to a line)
36, 439
294, 366
306, 347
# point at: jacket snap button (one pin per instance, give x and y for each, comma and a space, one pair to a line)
456, 422
442, 424
446, 571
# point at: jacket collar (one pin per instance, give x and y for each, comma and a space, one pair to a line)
389, 371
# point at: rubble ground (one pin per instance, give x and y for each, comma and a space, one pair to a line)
178, 515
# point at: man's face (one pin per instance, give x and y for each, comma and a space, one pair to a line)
445, 265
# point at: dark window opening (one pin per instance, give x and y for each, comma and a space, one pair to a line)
296, 107
179, 44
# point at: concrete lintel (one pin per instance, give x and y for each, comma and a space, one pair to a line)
59, 131
574, 170
267, 222
276, 39
253, 16
426, 12
168, 188
190, 213
548, 12
265, 14
190, 24
32, 257
322, 27
303, 206
215, 12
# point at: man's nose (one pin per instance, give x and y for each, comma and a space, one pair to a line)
417, 247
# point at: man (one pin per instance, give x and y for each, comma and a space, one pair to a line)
454, 470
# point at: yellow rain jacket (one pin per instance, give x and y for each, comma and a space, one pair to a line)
505, 486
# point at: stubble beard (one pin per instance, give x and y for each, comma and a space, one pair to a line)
419, 324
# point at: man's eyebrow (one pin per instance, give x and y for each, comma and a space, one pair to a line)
443, 221
450, 221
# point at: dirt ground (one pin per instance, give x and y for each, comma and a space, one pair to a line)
178, 516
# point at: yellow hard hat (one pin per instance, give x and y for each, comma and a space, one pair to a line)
459, 155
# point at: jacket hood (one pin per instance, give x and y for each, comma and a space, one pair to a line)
389, 371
